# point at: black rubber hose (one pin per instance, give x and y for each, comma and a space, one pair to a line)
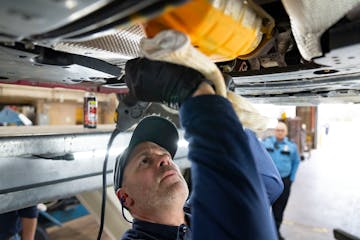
103, 201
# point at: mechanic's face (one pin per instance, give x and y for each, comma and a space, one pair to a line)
280, 131
152, 180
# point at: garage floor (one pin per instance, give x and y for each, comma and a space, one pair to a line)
325, 195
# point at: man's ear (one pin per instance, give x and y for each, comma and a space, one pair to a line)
124, 198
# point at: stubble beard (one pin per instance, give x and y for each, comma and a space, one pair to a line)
166, 197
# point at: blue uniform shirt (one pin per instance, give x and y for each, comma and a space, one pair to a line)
285, 156
10, 222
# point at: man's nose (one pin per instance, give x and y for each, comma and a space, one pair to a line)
163, 160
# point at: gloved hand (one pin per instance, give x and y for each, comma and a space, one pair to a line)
157, 81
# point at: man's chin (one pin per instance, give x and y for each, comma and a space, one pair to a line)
176, 189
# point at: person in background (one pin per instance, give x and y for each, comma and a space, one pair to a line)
19, 224
286, 158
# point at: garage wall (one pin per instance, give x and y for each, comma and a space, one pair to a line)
55, 106
63, 113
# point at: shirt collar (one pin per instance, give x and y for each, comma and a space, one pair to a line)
165, 232
161, 231
285, 139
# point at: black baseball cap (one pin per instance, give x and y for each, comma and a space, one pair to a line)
150, 129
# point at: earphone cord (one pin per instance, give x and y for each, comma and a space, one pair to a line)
123, 214
104, 173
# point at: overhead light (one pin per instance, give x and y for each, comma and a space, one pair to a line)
183, 143
70, 4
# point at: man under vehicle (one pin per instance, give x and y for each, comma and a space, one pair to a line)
229, 199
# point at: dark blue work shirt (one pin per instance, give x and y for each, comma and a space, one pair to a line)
153, 231
10, 222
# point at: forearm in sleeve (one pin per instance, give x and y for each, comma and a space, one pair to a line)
229, 200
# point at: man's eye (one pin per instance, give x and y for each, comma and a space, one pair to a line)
144, 161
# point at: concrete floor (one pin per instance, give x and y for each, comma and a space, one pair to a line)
326, 192
325, 195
